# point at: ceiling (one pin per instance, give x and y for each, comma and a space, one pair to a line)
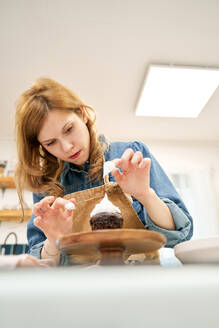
101, 49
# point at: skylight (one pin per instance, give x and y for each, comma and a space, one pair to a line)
176, 91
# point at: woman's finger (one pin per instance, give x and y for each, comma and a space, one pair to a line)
145, 163
61, 202
43, 205
125, 159
116, 161
127, 155
47, 201
39, 209
36, 209
137, 158
117, 174
38, 222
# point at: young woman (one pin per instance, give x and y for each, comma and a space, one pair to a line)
59, 152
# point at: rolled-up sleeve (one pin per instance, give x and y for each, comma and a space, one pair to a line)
182, 223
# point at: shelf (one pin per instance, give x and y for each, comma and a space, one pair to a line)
7, 182
15, 215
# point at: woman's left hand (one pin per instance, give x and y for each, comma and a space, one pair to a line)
135, 176
52, 218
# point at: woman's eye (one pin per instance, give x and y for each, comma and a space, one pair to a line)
68, 129
50, 143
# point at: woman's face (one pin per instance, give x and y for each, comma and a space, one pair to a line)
65, 135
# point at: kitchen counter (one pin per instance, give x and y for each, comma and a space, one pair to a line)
102, 297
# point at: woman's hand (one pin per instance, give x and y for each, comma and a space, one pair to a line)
24, 260
52, 218
135, 180
135, 176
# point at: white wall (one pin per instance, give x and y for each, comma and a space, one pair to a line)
201, 162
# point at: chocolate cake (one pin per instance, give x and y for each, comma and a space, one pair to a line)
106, 220
106, 216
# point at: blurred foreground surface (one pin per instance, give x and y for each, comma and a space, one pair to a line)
120, 296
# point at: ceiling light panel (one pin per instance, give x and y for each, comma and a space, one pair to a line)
175, 91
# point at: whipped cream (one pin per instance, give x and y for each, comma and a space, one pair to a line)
105, 206
108, 167
69, 206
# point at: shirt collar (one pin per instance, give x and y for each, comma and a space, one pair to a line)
75, 168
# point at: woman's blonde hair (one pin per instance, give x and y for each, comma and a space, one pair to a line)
37, 170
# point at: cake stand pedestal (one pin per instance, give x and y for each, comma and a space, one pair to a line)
111, 255
110, 246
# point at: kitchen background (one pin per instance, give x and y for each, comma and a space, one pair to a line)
101, 50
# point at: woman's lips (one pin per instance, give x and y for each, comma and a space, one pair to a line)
75, 155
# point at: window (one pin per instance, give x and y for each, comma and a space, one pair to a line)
196, 190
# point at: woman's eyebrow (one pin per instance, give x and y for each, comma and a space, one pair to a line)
45, 141
63, 128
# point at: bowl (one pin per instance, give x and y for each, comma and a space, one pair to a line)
202, 250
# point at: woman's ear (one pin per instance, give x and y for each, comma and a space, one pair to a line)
84, 114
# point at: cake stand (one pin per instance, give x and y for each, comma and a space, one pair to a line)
111, 246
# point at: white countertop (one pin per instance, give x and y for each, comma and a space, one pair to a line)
102, 297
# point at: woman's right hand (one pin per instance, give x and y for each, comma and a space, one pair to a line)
52, 218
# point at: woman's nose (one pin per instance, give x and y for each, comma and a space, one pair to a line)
67, 146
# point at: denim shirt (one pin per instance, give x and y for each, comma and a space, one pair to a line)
74, 180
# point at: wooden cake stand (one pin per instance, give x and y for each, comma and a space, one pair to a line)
111, 245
